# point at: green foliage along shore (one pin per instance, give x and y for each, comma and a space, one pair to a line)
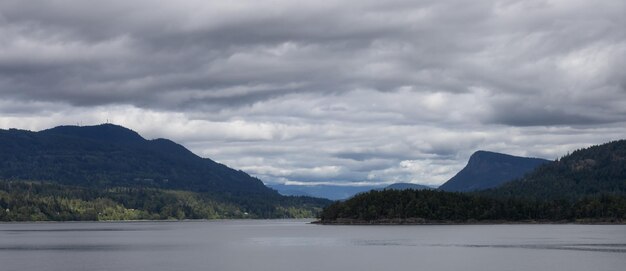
109, 172
38, 201
427, 206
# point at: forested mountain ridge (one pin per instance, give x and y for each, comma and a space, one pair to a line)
490, 169
70, 172
596, 170
110, 155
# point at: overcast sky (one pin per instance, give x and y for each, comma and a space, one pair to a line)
325, 91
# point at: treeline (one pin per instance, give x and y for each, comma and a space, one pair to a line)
588, 185
588, 172
108, 156
39, 201
427, 206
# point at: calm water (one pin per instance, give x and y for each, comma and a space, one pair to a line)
296, 245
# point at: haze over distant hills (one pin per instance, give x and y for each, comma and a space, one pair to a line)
484, 170
333, 192
336, 192
490, 169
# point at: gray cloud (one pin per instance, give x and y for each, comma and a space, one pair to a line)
348, 92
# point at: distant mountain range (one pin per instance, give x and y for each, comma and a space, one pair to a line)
108, 156
484, 170
332, 192
337, 192
490, 169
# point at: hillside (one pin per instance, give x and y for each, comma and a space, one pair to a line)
587, 172
586, 186
440, 207
98, 158
41, 201
490, 169
109, 155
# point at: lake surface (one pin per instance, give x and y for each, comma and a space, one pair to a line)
295, 245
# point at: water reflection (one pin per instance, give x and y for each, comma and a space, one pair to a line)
295, 241
72, 230
296, 245
69, 247
616, 248
602, 247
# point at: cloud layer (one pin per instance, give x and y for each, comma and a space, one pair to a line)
357, 91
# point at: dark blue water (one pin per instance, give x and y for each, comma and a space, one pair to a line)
296, 245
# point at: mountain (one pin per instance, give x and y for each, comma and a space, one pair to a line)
109, 155
593, 171
288, 190
93, 160
404, 186
336, 192
587, 186
490, 169
332, 192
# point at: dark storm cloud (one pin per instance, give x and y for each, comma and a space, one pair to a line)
363, 156
519, 114
127, 53
348, 90
122, 53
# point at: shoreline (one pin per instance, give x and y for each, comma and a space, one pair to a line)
312, 219
415, 222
